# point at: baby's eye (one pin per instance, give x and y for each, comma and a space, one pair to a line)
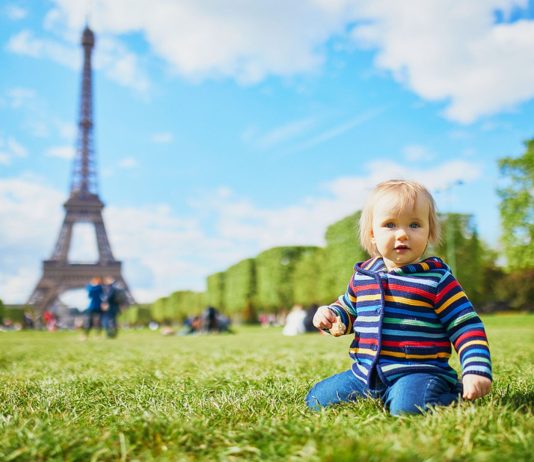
415, 225
390, 225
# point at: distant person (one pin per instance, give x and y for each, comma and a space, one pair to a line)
210, 322
224, 323
405, 311
295, 321
50, 321
28, 322
114, 296
93, 313
167, 330
191, 325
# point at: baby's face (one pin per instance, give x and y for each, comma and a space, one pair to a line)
400, 236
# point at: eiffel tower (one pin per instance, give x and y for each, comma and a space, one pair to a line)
82, 206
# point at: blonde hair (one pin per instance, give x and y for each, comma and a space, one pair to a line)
404, 194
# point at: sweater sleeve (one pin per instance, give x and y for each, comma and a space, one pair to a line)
464, 327
345, 308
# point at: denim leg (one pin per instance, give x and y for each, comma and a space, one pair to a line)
111, 328
339, 388
105, 321
416, 393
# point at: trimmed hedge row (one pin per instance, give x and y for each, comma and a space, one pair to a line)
215, 283
240, 289
280, 277
178, 306
12, 313
275, 281
342, 250
136, 315
283, 276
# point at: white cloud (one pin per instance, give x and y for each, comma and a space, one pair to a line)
417, 153
118, 63
121, 65
37, 120
162, 137
15, 12
241, 222
83, 248
25, 43
453, 52
62, 152
37, 128
128, 163
10, 148
247, 41
450, 52
30, 213
67, 130
167, 252
19, 96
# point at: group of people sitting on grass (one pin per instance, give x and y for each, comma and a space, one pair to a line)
210, 321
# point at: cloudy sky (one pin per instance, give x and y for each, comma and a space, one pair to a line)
226, 128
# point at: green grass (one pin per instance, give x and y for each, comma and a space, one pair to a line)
240, 397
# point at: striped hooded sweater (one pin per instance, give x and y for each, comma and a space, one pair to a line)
405, 320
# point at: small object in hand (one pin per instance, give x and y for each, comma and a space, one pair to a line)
338, 328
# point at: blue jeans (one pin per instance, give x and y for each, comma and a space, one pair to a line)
410, 394
109, 323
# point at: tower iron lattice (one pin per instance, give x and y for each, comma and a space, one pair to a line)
83, 206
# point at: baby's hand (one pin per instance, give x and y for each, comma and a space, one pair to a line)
475, 386
324, 318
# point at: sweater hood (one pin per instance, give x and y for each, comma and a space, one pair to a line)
376, 265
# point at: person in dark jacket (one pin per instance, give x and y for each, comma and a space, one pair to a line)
210, 320
94, 310
113, 295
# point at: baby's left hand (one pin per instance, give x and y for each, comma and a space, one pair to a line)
475, 386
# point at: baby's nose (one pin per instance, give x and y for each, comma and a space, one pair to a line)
401, 234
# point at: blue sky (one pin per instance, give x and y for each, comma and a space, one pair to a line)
222, 130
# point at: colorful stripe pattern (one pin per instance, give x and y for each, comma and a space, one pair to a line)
405, 320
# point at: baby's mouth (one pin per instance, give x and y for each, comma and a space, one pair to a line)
401, 247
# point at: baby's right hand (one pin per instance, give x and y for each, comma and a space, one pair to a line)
324, 318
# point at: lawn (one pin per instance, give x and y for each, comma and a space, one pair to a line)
236, 397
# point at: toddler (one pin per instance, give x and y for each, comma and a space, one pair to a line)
405, 312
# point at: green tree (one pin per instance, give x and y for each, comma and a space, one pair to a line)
183, 303
240, 289
215, 291
516, 290
517, 208
468, 257
305, 276
157, 309
1, 311
342, 251
136, 315
177, 306
275, 276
